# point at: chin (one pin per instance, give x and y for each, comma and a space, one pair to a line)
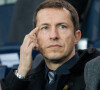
54, 57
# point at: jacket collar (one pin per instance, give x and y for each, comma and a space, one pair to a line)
84, 56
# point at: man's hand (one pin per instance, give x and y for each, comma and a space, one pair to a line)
29, 43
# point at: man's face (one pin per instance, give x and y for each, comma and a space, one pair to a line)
56, 36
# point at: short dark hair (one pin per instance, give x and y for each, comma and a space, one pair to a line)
59, 4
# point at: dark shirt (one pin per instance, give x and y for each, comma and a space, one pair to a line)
64, 69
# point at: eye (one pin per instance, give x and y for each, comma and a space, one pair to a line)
44, 28
63, 26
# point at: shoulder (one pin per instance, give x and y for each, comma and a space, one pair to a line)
94, 62
92, 74
88, 56
84, 57
92, 68
38, 71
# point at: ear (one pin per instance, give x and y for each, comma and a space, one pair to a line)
77, 36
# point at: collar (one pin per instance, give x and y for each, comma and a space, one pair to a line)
65, 68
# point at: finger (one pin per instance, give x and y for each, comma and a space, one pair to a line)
31, 46
33, 37
32, 41
29, 39
34, 31
26, 41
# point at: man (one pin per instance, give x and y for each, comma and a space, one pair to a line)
92, 74
55, 36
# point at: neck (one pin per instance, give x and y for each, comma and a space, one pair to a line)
54, 66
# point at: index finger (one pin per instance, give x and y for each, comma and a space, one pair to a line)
34, 31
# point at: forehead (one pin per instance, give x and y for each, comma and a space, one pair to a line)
53, 14
47, 10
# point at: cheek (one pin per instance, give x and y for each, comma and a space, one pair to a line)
39, 41
69, 40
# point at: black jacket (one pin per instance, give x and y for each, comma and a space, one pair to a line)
35, 79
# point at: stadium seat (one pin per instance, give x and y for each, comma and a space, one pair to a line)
3, 71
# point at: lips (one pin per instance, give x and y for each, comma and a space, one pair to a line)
54, 46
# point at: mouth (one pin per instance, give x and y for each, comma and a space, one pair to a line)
54, 46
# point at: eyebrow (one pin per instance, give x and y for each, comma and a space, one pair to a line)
57, 23
62, 23
44, 24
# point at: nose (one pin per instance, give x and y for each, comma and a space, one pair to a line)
54, 34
